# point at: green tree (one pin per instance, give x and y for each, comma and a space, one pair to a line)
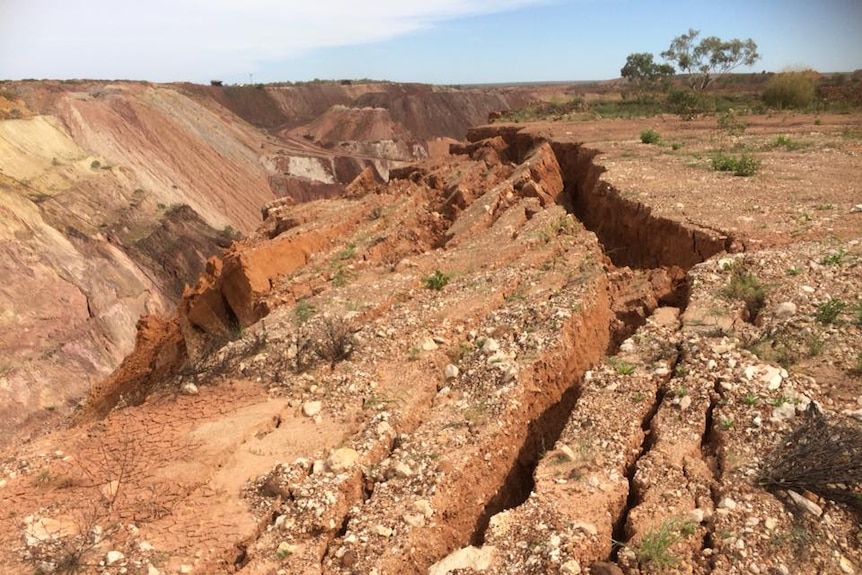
644, 74
710, 57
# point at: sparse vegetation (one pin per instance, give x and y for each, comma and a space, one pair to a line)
790, 90
821, 456
622, 367
436, 281
787, 143
750, 399
745, 287
744, 165
303, 311
335, 342
829, 310
654, 547
835, 258
650, 137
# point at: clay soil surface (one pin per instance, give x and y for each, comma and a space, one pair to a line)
525, 358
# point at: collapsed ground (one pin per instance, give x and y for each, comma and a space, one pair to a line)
456, 371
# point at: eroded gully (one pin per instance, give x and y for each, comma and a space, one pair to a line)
631, 236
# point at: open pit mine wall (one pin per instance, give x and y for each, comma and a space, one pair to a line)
425, 111
112, 197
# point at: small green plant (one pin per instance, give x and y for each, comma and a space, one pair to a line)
303, 311
654, 548
814, 345
835, 258
794, 271
680, 391
436, 281
787, 143
856, 310
676, 146
341, 277
750, 399
829, 310
347, 253
638, 397
746, 287
650, 137
731, 123
727, 423
744, 165
622, 367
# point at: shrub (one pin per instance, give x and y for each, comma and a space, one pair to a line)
650, 137
790, 90
787, 143
303, 311
335, 342
744, 165
731, 123
686, 104
820, 456
437, 280
746, 287
95, 164
829, 310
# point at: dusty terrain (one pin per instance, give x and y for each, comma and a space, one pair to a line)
524, 358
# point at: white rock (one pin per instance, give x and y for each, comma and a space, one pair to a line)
770, 523
151, 569
312, 408
428, 344
477, 559
414, 519
423, 506
185, 569
342, 459
772, 378
145, 547
383, 531
805, 504
783, 412
749, 371
785, 310
451, 371
696, 515
190, 389
685, 402
857, 413
286, 549
490, 346
571, 567
112, 557
727, 503
844, 563
384, 428
402, 470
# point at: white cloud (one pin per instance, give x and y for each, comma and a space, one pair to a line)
196, 39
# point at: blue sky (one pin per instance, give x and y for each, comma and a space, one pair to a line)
438, 41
